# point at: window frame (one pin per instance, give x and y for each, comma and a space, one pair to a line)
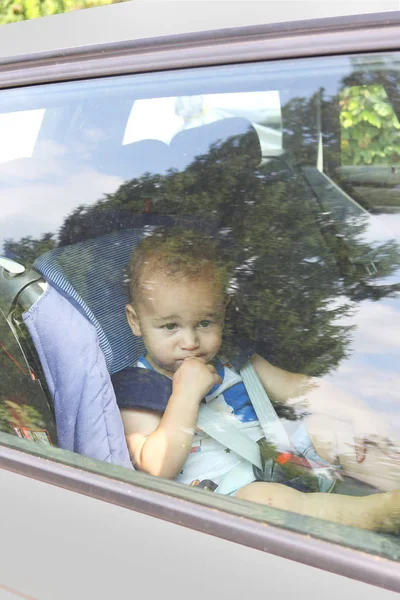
201, 516
324, 37
299, 39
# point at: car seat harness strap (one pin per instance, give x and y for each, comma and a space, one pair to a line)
280, 461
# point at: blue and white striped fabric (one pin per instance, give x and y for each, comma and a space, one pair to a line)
90, 274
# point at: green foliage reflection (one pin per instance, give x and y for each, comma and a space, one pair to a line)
370, 128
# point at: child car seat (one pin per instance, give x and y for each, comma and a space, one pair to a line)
78, 324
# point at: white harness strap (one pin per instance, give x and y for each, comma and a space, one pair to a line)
270, 423
222, 430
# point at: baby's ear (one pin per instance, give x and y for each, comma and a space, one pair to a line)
133, 320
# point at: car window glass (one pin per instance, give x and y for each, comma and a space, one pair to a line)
162, 118
19, 131
291, 168
370, 148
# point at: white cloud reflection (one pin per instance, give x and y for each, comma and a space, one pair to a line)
372, 372
377, 328
37, 195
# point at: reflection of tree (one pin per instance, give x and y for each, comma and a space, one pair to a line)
304, 119
370, 109
370, 128
290, 258
13, 414
290, 261
20, 401
28, 249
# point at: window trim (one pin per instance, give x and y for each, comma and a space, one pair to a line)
334, 558
301, 39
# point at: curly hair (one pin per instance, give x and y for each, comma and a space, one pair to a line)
177, 254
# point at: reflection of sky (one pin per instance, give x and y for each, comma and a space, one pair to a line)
372, 372
36, 197
382, 228
391, 222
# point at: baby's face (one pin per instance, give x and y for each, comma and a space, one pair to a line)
178, 320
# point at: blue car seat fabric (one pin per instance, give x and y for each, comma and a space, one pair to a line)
87, 416
90, 274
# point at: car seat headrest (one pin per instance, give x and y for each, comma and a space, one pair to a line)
233, 136
90, 274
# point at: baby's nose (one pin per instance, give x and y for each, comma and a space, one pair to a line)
189, 339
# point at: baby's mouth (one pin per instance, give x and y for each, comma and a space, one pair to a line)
201, 356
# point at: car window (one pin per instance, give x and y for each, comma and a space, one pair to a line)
162, 118
290, 168
19, 131
370, 148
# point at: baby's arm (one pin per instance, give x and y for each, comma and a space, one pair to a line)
378, 512
159, 444
279, 384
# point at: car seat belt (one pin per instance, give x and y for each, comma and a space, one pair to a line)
218, 427
270, 424
269, 421
276, 434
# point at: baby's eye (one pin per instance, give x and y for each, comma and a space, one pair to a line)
169, 326
205, 323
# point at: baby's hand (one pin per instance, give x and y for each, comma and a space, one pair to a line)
194, 378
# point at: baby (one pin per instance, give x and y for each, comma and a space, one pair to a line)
178, 301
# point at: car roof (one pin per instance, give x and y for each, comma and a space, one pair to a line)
142, 19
